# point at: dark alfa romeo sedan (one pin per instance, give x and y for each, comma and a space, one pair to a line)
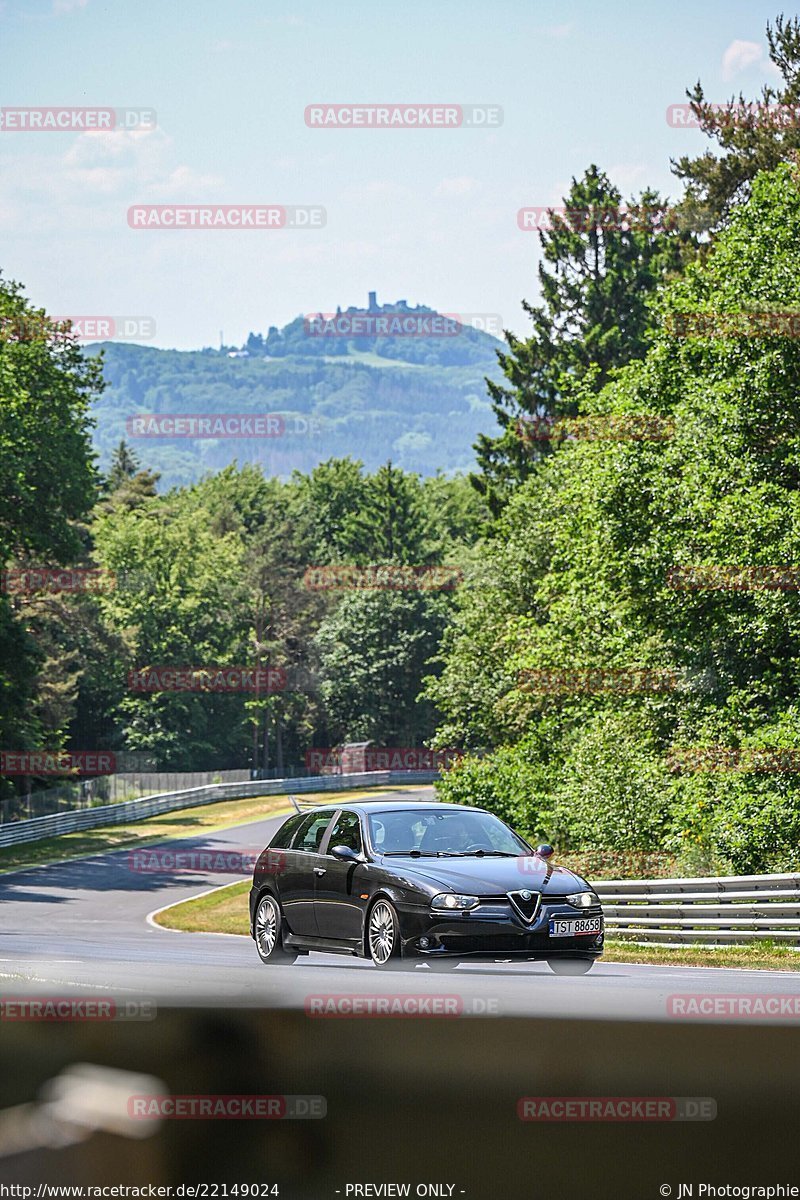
396, 881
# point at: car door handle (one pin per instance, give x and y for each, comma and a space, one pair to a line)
320, 870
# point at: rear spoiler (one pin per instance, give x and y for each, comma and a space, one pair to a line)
302, 806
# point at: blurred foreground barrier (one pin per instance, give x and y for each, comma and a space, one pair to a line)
716, 912
16, 832
82, 1100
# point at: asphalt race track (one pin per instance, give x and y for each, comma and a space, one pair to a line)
80, 929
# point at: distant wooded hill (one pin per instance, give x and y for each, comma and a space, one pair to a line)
416, 398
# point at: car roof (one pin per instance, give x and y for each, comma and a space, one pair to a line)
377, 806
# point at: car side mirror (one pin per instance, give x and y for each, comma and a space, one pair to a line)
544, 851
345, 853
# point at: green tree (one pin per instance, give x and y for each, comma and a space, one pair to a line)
597, 275
391, 523
124, 465
47, 483
753, 135
326, 499
47, 473
581, 577
179, 606
374, 649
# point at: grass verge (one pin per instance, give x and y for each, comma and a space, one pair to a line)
225, 911
221, 911
764, 956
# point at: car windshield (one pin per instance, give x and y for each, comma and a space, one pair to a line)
424, 831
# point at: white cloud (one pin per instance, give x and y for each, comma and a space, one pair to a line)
136, 162
96, 179
460, 185
741, 55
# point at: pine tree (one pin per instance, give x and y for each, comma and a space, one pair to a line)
124, 465
127, 484
600, 263
755, 136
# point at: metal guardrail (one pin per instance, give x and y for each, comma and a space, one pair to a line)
109, 789
17, 832
714, 912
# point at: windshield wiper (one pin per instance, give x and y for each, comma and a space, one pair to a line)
477, 853
497, 853
450, 854
409, 853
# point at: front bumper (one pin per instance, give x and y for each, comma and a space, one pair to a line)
495, 930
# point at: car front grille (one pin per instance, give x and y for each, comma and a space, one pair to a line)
526, 905
508, 905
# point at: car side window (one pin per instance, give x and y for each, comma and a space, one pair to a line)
309, 834
284, 835
346, 832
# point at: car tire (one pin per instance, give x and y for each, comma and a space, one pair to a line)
570, 966
383, 936
268, 933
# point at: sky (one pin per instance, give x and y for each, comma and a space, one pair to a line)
424, 214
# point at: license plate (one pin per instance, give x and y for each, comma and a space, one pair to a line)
573, 926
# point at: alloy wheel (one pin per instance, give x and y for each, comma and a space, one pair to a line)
267, 925
381, 933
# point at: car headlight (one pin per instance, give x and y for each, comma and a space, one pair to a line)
582, 900
451, 900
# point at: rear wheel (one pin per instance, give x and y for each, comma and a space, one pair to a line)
383, 935
268, 935
570, 966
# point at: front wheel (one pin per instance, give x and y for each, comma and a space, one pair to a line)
383, 935
570, 966
268, 938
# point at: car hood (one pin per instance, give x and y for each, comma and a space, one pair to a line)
488, 876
